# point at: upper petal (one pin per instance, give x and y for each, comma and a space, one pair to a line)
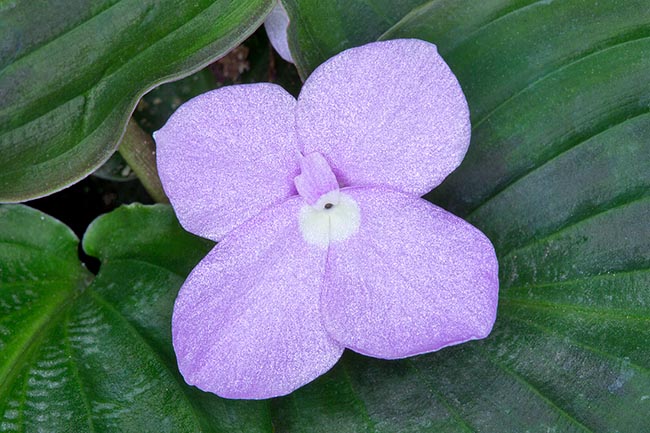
227, 154
388, 113
414, 279
246, 322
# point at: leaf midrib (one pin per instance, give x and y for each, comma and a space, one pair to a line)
173, 378
75, 372
370, 423
556, 308
508, 291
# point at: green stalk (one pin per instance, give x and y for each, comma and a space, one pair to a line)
139, 151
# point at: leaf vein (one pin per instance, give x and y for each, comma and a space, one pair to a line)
46, 42
617, 43
581, 141
554, 234
460, 421
613, 274
581, 345
364, 410
561, 308
523, 381
77, 377
47, 322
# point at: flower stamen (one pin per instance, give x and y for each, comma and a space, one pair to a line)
328, 215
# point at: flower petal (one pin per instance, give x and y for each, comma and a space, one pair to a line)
246, 322
388, 113
227, 154
414, 279
276, 25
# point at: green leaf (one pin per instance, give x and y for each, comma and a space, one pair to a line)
558, 176
77, 355
71, 73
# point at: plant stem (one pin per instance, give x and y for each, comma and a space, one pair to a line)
139, 151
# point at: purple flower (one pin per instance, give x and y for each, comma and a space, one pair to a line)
324, 241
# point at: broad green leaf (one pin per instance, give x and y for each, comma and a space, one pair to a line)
71, 73
78, 354
558, 176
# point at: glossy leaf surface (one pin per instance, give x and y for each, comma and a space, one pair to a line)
82, 355
558, 176
71, 73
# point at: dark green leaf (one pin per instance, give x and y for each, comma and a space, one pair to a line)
97, 357
71, 73
558, 176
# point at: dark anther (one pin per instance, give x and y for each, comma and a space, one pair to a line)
329, 206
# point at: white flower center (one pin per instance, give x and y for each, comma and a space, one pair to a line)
334, 217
